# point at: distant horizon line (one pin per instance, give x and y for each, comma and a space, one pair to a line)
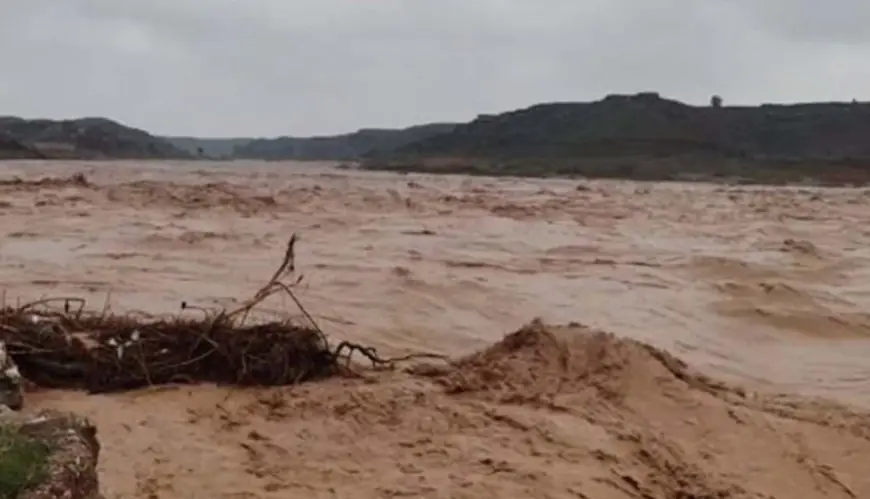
460, 122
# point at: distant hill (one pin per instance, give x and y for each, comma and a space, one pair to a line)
646, 136
352, 146
639, 136
86, 138
210, 148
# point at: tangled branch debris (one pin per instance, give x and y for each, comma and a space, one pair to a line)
103, 352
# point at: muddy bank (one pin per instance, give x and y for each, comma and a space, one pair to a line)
43, 454
546, 412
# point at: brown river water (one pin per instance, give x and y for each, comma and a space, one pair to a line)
763, 289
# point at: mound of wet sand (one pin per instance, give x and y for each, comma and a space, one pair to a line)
539, 362
671, 432
546, 412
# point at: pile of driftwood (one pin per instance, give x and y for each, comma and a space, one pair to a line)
57, 343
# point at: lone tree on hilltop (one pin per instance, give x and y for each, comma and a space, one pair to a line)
716, 101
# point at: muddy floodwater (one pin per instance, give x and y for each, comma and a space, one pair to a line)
763, 292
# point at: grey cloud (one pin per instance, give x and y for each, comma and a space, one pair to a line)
271, 67
810, 21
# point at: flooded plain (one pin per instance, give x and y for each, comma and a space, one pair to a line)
763, 289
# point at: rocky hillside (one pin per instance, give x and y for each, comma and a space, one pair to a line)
621, 134
87, 138
352, 146
13, 149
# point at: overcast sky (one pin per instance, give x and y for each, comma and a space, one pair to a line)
307, 67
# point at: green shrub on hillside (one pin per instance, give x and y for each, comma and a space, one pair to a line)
23, 462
